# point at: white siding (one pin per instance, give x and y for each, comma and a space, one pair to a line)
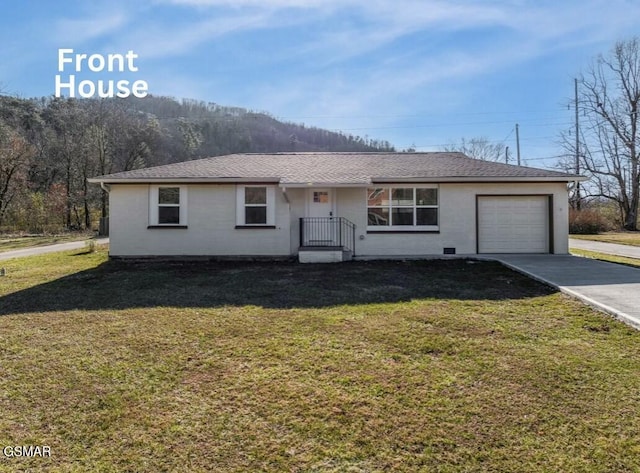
211, 225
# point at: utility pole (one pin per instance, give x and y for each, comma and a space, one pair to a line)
506, 155
577, 193
518, 142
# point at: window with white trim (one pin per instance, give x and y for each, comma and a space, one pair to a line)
167, 205
255, 206
402, 208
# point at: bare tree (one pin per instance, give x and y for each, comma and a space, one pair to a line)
609, 97
478, 148
15, 153
68, 146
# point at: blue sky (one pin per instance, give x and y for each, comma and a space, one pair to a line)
421, 73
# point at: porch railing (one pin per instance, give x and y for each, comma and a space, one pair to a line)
328, 232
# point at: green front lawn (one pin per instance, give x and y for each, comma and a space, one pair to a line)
441, 366
622, 238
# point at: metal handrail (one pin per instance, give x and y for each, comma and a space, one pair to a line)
328, 232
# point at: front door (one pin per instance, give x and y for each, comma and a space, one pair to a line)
321, 228
320, 203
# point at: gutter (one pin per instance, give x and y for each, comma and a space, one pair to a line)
380, 180
183, 180
308, 184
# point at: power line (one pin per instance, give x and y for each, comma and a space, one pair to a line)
507, 137
501, 112
440, 145
439, 125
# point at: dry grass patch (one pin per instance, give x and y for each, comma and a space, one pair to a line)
622, 238
8, 242
606, 257
414, 366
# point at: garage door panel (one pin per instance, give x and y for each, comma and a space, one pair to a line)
513, 224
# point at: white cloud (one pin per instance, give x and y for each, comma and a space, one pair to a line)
154, 41
262, 4
380, 33
352, 56
376, 94
79, 30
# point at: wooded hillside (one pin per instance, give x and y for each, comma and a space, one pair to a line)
50, 146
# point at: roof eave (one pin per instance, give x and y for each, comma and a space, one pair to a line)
304, 185
182, 180
481, 179
377, 180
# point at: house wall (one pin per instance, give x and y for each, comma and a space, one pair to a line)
211, 223
457, 218
298, 206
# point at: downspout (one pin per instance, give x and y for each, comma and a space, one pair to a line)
285, 195
286, 198
105, 230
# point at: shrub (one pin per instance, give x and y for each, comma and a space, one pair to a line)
588, 222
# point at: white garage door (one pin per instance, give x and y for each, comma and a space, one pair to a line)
513, 224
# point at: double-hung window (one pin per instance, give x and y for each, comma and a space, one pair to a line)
255, 206
402, 208
167, 205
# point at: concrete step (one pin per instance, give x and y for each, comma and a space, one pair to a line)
324, 254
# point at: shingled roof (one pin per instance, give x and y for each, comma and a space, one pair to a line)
336, 169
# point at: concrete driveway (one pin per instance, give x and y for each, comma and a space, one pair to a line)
611, 287
38, 250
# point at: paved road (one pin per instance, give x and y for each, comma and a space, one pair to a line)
611, 287
38, 250
608, 248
